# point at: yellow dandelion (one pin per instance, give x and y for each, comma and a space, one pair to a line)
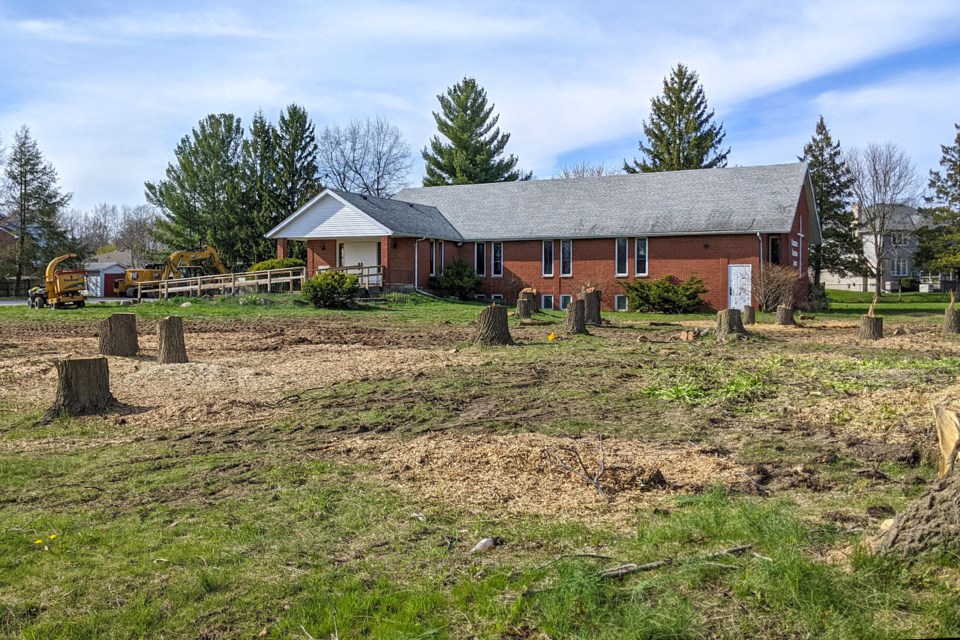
53, 536
551, 337
38, 541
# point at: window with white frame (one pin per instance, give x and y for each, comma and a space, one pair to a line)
496, 268
546, 301
565, 300
641, 256
547, 258
480, 258
621, 257
497, 296
899, 267
433, 258
440, 266
566, 257
620, 303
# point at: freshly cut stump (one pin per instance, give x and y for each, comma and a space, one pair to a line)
531, 294
118, 335
871, 327
83, 387
749, 316
785, 315
170, 338
929, 523
492, 328
523, 309
729, 326
577, 317
947, 418
591, 298
951, 319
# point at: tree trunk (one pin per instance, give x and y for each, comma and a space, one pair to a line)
947, 418
83, 387
531, 294
785, 315
172, 349
871, 327
749, 316
523, 308
577, 317
118, 335
492, 328
729, 326
591, 298
951, 319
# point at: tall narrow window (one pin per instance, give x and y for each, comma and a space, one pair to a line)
566, 257
433, 258
480, 258
340, 255
547, 258
774, 249
496, 268
441, 257
621, 258
641, 256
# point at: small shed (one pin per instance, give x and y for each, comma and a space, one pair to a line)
101, 276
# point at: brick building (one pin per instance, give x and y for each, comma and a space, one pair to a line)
722, 225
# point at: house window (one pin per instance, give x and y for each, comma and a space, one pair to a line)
547, 258
340, 255
566, 257
497, 296
899, 267
565, 300
496, 268
898, 238
441, 257
641, 256
621, 259
433, 258
620, 303
480, 258
774, 249
546, 301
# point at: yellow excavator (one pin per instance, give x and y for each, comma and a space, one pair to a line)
181, 264
61, 287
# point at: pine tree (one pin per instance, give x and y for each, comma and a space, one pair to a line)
259, 177
33, 205
841, 251
939, 248
296, 179
474, 146
680, 133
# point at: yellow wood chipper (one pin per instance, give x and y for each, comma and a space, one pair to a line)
61, 287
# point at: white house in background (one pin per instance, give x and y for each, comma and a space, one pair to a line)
898, 249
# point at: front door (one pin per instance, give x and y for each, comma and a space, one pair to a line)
364, 254
740, 287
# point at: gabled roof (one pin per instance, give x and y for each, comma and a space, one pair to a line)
705, 201
101, 266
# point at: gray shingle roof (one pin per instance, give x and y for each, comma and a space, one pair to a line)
403, 218
707, 201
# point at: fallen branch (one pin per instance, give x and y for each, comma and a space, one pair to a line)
572, 555
583, 473
629, 568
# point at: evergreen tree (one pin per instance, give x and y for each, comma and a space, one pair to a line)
259, 176
841, 251
296, 178
680, 133
474, 147
939, 248
33, 205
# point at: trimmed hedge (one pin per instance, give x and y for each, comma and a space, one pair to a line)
331, 290
278, 263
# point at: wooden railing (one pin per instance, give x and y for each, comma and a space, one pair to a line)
228, 283
371, 276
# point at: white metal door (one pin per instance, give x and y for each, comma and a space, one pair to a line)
740, 287
362, 253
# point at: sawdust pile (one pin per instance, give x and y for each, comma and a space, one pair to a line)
516, 473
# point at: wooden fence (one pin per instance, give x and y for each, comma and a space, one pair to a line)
225, 284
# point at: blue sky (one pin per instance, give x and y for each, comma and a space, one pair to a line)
108, 88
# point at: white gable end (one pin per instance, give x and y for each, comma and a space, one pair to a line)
328, 217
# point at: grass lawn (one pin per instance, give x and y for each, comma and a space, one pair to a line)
338, 480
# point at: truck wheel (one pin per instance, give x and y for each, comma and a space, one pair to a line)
81, 304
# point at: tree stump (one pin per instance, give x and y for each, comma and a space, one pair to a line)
749, 315
577, 317
929, 523
524, 308
83, 387
951, 318
729, 326
785, 315
591, 298
871, 327
947, 418
172, 349
492, 329
118, 335
530, 293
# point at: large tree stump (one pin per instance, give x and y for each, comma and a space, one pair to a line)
591, 298
785, 315
524, 308
577, 317
83, 387
729, 326
947, 417
531, 294
871, 328
749, 315
492, 328
951, 318
172, 349
118, 335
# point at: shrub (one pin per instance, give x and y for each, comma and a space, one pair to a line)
817, 298
774, 285
278, 263
459, 279
666, 295
331, 290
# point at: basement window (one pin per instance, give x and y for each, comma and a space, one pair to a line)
565, 300
546, 301
497, 296
620, 303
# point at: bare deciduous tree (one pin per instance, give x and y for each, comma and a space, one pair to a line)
885, 185
108, 226
367, 156
584, 170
